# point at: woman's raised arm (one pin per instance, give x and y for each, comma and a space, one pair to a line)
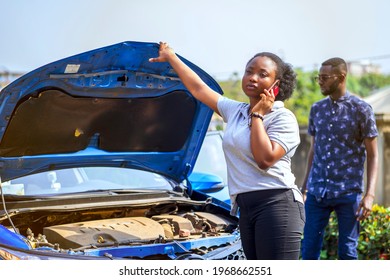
190, 79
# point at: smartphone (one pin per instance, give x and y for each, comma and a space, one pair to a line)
275, 87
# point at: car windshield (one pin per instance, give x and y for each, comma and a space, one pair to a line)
211, 158
85, 179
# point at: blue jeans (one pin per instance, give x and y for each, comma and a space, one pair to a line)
317, 218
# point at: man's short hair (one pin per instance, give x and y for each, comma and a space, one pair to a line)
337, 64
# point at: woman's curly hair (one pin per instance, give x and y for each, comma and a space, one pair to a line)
284, 72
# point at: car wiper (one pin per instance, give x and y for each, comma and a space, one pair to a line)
98, 192
121, 191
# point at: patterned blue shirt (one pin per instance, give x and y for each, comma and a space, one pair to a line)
339, 129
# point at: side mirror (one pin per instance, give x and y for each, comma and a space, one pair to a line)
205, 182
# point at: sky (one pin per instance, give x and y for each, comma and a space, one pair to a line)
219, 36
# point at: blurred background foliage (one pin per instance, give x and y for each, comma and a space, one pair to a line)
308, 91
374, 239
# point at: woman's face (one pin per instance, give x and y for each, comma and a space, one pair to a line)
260, 73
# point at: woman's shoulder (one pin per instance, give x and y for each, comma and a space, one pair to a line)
282, 111
231, 103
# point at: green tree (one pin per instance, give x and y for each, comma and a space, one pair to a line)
232, 88
308, 92
370, 82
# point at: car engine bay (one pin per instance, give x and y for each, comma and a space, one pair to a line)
139, 231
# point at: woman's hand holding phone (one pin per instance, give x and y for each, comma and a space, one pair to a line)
274, 88
267, 98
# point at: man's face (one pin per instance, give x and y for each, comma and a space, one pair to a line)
328, 80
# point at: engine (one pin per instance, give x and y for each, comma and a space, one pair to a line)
135, 229
160, 231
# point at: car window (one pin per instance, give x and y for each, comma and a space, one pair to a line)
211, 158
85, 179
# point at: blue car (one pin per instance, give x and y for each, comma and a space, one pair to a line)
96, 156
210, 172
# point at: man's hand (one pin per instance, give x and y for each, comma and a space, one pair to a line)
365, 207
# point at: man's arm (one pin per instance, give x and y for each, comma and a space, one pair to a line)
310, 156
372, 174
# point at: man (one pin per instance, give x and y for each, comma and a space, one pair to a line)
343, 133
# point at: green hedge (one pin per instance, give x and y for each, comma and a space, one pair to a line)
374, 239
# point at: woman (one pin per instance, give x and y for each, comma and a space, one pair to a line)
259, 140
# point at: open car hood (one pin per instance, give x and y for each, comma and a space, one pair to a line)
105, 107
